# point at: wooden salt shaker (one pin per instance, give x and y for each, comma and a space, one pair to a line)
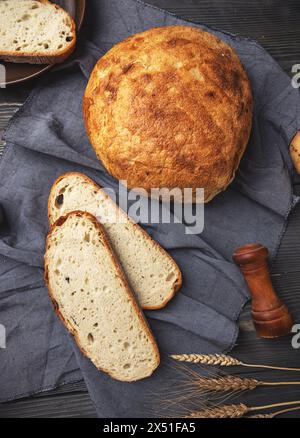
270, 315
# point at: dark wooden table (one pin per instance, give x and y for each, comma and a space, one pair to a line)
275, 24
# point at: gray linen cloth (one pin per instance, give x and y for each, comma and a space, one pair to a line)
47, 138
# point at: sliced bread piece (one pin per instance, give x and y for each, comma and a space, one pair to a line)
152, 273
92, 297
36, 32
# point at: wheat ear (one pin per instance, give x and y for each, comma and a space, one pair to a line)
207, 359
224, 361
225, 411
276, 414
235, 411
233, 383
225, 384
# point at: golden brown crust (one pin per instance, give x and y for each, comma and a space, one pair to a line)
295, 151
176, 285
170, 107
120, 274
39, 58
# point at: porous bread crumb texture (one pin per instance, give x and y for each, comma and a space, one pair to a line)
152, 273
94, 301
33, 27
170, 108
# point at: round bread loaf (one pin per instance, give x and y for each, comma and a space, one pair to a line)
170, 108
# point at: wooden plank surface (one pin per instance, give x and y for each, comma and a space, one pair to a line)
7, 110
275, 24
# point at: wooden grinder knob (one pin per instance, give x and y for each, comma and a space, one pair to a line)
270, 315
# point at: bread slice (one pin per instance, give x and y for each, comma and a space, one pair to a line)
92, 297
36, 32
152, 273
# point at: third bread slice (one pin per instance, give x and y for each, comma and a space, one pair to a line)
152, 273
92, 297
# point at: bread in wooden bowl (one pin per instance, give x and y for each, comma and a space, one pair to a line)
35, 32
170, 107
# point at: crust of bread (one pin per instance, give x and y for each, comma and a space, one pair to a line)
180, 119
120, 274
177, 284
56, 57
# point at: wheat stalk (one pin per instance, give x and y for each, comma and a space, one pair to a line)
235, 411
223, 360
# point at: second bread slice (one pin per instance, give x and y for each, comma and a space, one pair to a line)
92, 297
152, 273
